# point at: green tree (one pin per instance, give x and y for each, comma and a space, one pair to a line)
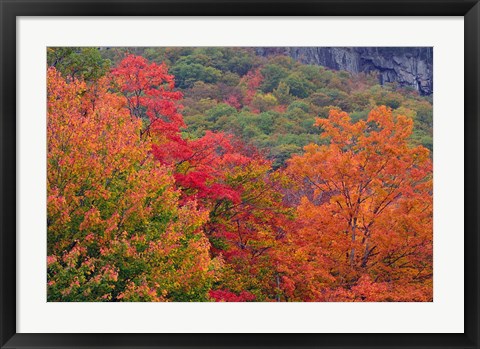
272, 74
78, 62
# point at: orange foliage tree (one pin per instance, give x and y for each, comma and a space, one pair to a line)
364, 232
116, 230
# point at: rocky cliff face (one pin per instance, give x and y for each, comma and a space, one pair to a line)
408, 66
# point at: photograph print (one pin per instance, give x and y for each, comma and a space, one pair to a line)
239, 174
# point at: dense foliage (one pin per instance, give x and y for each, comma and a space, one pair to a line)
213, 174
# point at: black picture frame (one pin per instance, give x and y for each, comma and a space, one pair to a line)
9, 10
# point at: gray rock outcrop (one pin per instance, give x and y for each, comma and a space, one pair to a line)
408, 66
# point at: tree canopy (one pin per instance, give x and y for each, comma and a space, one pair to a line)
213, 174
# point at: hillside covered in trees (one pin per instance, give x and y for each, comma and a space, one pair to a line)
218, 174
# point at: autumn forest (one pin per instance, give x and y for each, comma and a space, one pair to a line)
217, 174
